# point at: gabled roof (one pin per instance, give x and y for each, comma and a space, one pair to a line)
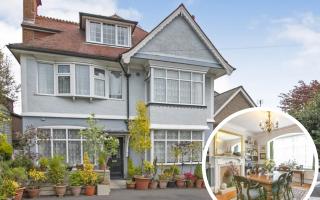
181, 10
223, 99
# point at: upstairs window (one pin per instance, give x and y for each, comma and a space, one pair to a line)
82, 79
99, 82
45, 78
63, 79
110, 34
115, 86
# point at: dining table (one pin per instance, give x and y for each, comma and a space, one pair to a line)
266, 181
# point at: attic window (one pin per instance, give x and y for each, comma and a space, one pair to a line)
109, 34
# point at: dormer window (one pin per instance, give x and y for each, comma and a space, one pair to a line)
109, 34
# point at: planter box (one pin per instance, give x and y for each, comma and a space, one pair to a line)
103, 189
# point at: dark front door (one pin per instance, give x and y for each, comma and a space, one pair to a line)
116, 162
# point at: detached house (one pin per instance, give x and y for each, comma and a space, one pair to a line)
104, 65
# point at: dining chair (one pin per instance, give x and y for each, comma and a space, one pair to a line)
288, 187
249, 190
279, 188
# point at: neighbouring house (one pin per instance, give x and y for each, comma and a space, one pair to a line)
105, 65
14, 125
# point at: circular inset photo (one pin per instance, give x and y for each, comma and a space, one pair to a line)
260, 154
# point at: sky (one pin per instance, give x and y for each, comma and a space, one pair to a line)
272, 44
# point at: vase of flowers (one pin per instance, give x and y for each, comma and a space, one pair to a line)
269, 166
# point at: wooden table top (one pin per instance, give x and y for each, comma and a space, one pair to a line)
269, 180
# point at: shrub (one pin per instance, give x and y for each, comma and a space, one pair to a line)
198, 171
8, 188
6, 149
43, 163
75, 178
131, 168
36, 177
22, 161
56, 170
19, 175
88, 176
148, 167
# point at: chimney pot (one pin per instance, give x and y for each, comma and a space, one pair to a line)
30, 9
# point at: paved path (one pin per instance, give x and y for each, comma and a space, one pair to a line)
158, 194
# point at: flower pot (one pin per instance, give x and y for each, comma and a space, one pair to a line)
199, 183
33, 192
190, 184
131, 185
90, 190
19, 194
163, 184
76, 190
181, 183
142, 183
60, 190
171, 184
153, 185
193, 179
102, 166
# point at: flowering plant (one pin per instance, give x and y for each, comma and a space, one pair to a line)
88, 176
8, 188
36, 177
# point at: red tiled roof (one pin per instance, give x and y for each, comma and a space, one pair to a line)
69, 38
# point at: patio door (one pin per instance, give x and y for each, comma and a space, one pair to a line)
116, 162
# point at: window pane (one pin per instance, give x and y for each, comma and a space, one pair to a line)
185, 135
95, 32
99, 73
74, 134
59, 148
64, 84
185, 92
170, 152
45, 78
160, 90
82, 80
59, 134
63, 68
115, 85
173, 91
159, 151
160, 73
197, 93
185, 75
197, 154
172, 74
46, 133
197, 77
109, 34
172, 134
196, 135
159, 134
123, 35
44, 148
74, 150
99, 87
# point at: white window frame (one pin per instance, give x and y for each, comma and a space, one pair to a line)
101, 28
54, 72
152, 99
106, 82
121, 77
71, 74
166, 140
66, 128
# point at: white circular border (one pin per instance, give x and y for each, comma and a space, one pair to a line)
225, 121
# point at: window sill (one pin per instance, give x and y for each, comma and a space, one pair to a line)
187, 163
79, 97
109, 45
176, 105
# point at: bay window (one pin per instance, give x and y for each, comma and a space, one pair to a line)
45, 78
165, 140
110, 34
177, 87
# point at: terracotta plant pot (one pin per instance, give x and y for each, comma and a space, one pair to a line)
181, 183
199, 183
193, 179
163, 184
19, 194
33, 192
171, 184
60, 190
142, 183
90, 190
102, 166
153, 185
131, 185
190, 184
76, 190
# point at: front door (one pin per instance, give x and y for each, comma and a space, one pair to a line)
116, 162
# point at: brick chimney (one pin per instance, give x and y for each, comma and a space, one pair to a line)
30, 8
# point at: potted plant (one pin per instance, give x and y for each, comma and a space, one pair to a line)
163, 180
140, 142
56, 174
88, 176
102, 162
43, 164
174, 171
131, 184
154, 183
198, 174
75, 182
190, 179
8, 188
36, 178
20, 176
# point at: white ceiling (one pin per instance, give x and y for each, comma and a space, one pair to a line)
250, 121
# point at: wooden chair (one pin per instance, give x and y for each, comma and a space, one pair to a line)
288, 187
249, 190
279, 188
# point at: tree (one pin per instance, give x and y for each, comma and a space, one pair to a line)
139, 130
297, 98
8, 86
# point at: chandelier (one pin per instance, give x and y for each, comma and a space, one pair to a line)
268, 126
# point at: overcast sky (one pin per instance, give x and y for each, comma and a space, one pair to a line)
272, 44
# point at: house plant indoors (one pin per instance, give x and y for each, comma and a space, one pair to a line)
56, 174
75, 182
